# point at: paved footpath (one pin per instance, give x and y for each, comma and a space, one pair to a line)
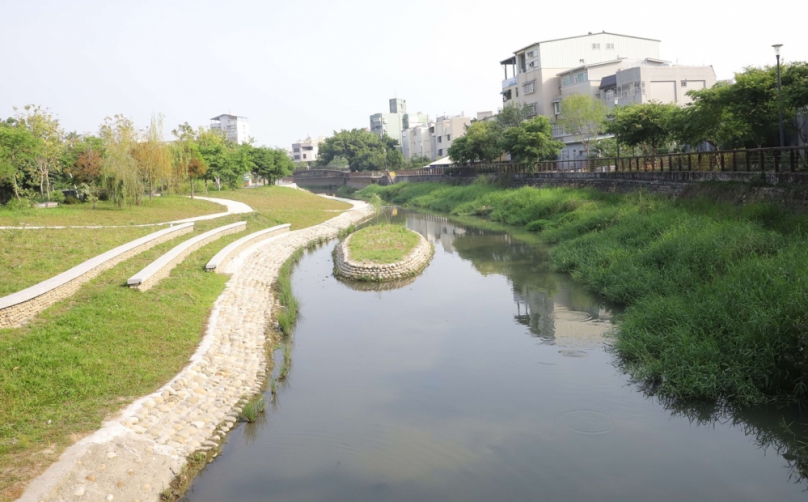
233, 207
135, 456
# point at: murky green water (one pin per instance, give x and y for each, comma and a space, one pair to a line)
483, 379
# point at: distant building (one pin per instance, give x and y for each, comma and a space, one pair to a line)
235, 128
417, 141
394, 123
484, 115
446, 130
306, 150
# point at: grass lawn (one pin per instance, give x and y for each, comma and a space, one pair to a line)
88, 356
28, 257
157, 210
382, 244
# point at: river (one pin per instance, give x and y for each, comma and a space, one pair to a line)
485, 378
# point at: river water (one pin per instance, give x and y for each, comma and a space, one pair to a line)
485, 378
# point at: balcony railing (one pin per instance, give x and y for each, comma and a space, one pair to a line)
508, 82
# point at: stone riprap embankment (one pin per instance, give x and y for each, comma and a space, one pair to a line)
412, 264
136, 455
19, 308
223, 258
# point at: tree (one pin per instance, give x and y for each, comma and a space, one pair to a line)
480, 143
583, 116
512, 115
271, 164
795, 96
196, 169
709, 117
226, 160
531, 141
86, 170
643, 125
120, 173
18, 148
153, 158
363, 150
43, 126
418, 161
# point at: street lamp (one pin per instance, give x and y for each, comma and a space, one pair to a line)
779, 93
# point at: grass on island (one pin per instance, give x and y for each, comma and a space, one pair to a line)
90, 355
157, 210
716, 293
383, 243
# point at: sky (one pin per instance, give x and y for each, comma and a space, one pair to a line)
300, 68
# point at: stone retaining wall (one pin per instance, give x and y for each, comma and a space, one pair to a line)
415, 261
160, 268
19, 308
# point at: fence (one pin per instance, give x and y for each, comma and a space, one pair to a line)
788, 159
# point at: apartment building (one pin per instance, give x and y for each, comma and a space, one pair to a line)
446, 130
393, 123
417, 141
306, 150
234, 128
663, 83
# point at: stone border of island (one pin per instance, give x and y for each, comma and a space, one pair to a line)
138, 452
160, 268
19, 308
412, 264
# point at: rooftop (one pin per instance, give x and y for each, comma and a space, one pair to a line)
582, 36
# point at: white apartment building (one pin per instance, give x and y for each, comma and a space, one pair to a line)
235, 128
417, 141
602, 65
394, 123
306, 150
446, 130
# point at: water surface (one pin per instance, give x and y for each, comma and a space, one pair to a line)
485, 378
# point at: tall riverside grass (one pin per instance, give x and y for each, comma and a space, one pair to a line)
283, 288
717, 295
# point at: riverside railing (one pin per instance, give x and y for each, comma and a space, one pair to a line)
788, 159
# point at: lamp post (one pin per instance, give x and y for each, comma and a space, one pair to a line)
616, 141
779, 93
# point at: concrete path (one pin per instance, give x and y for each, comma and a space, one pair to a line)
134, 456
233, 207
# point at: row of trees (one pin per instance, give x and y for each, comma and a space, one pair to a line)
744, 114
122, 162
512, 131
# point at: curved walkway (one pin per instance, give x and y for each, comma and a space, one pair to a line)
233, 207
136, 454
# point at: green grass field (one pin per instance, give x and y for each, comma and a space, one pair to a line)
716, 293
157, 210
381, 244
88, 356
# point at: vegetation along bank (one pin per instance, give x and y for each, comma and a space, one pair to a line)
715, 293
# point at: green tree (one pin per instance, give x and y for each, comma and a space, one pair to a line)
45, 127
531, 141
120, 174
583, 116
643, 125
512, 115
18, 148
227, 162
481, 143
363, 150
795, 97
418, 161
709, 117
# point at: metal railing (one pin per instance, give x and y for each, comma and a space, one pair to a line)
788, 159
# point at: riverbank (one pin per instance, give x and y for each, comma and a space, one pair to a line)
90, 355
715, 292
381, 253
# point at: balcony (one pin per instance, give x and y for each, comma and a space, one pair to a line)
509, 82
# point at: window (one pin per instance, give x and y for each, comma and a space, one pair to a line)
557, 108
637, 91
579, 77
530, 54
297, 157
531, 109
440, 151
581, 61
532, 64
595, 46
304, 155
297, 150
529, 87
565, 81
684, 83
448, 137
609, 46
439, 139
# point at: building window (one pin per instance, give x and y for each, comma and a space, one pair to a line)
530, 54
610, 46
439, 139
304, 155
565, 81
530, 109
684, 83
637, 91
448, 137
529, 87
532, 64
440, 151
297, 150
595, 46
297, 157
557, 108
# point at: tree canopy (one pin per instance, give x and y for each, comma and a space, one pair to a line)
362, 150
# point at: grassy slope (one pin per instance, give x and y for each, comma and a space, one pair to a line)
382, 244
716, 293
88, 356
157, 210
31, 256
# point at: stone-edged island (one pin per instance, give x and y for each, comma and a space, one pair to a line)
382, 253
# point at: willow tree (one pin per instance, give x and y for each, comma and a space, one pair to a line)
183, 149
45, 128
120, 171
154, 160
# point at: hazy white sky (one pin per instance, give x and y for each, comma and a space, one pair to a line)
299, 68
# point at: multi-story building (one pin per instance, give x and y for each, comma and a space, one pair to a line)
306, 150
602, 65
417, 141
391, 124
234, 128
446, 130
